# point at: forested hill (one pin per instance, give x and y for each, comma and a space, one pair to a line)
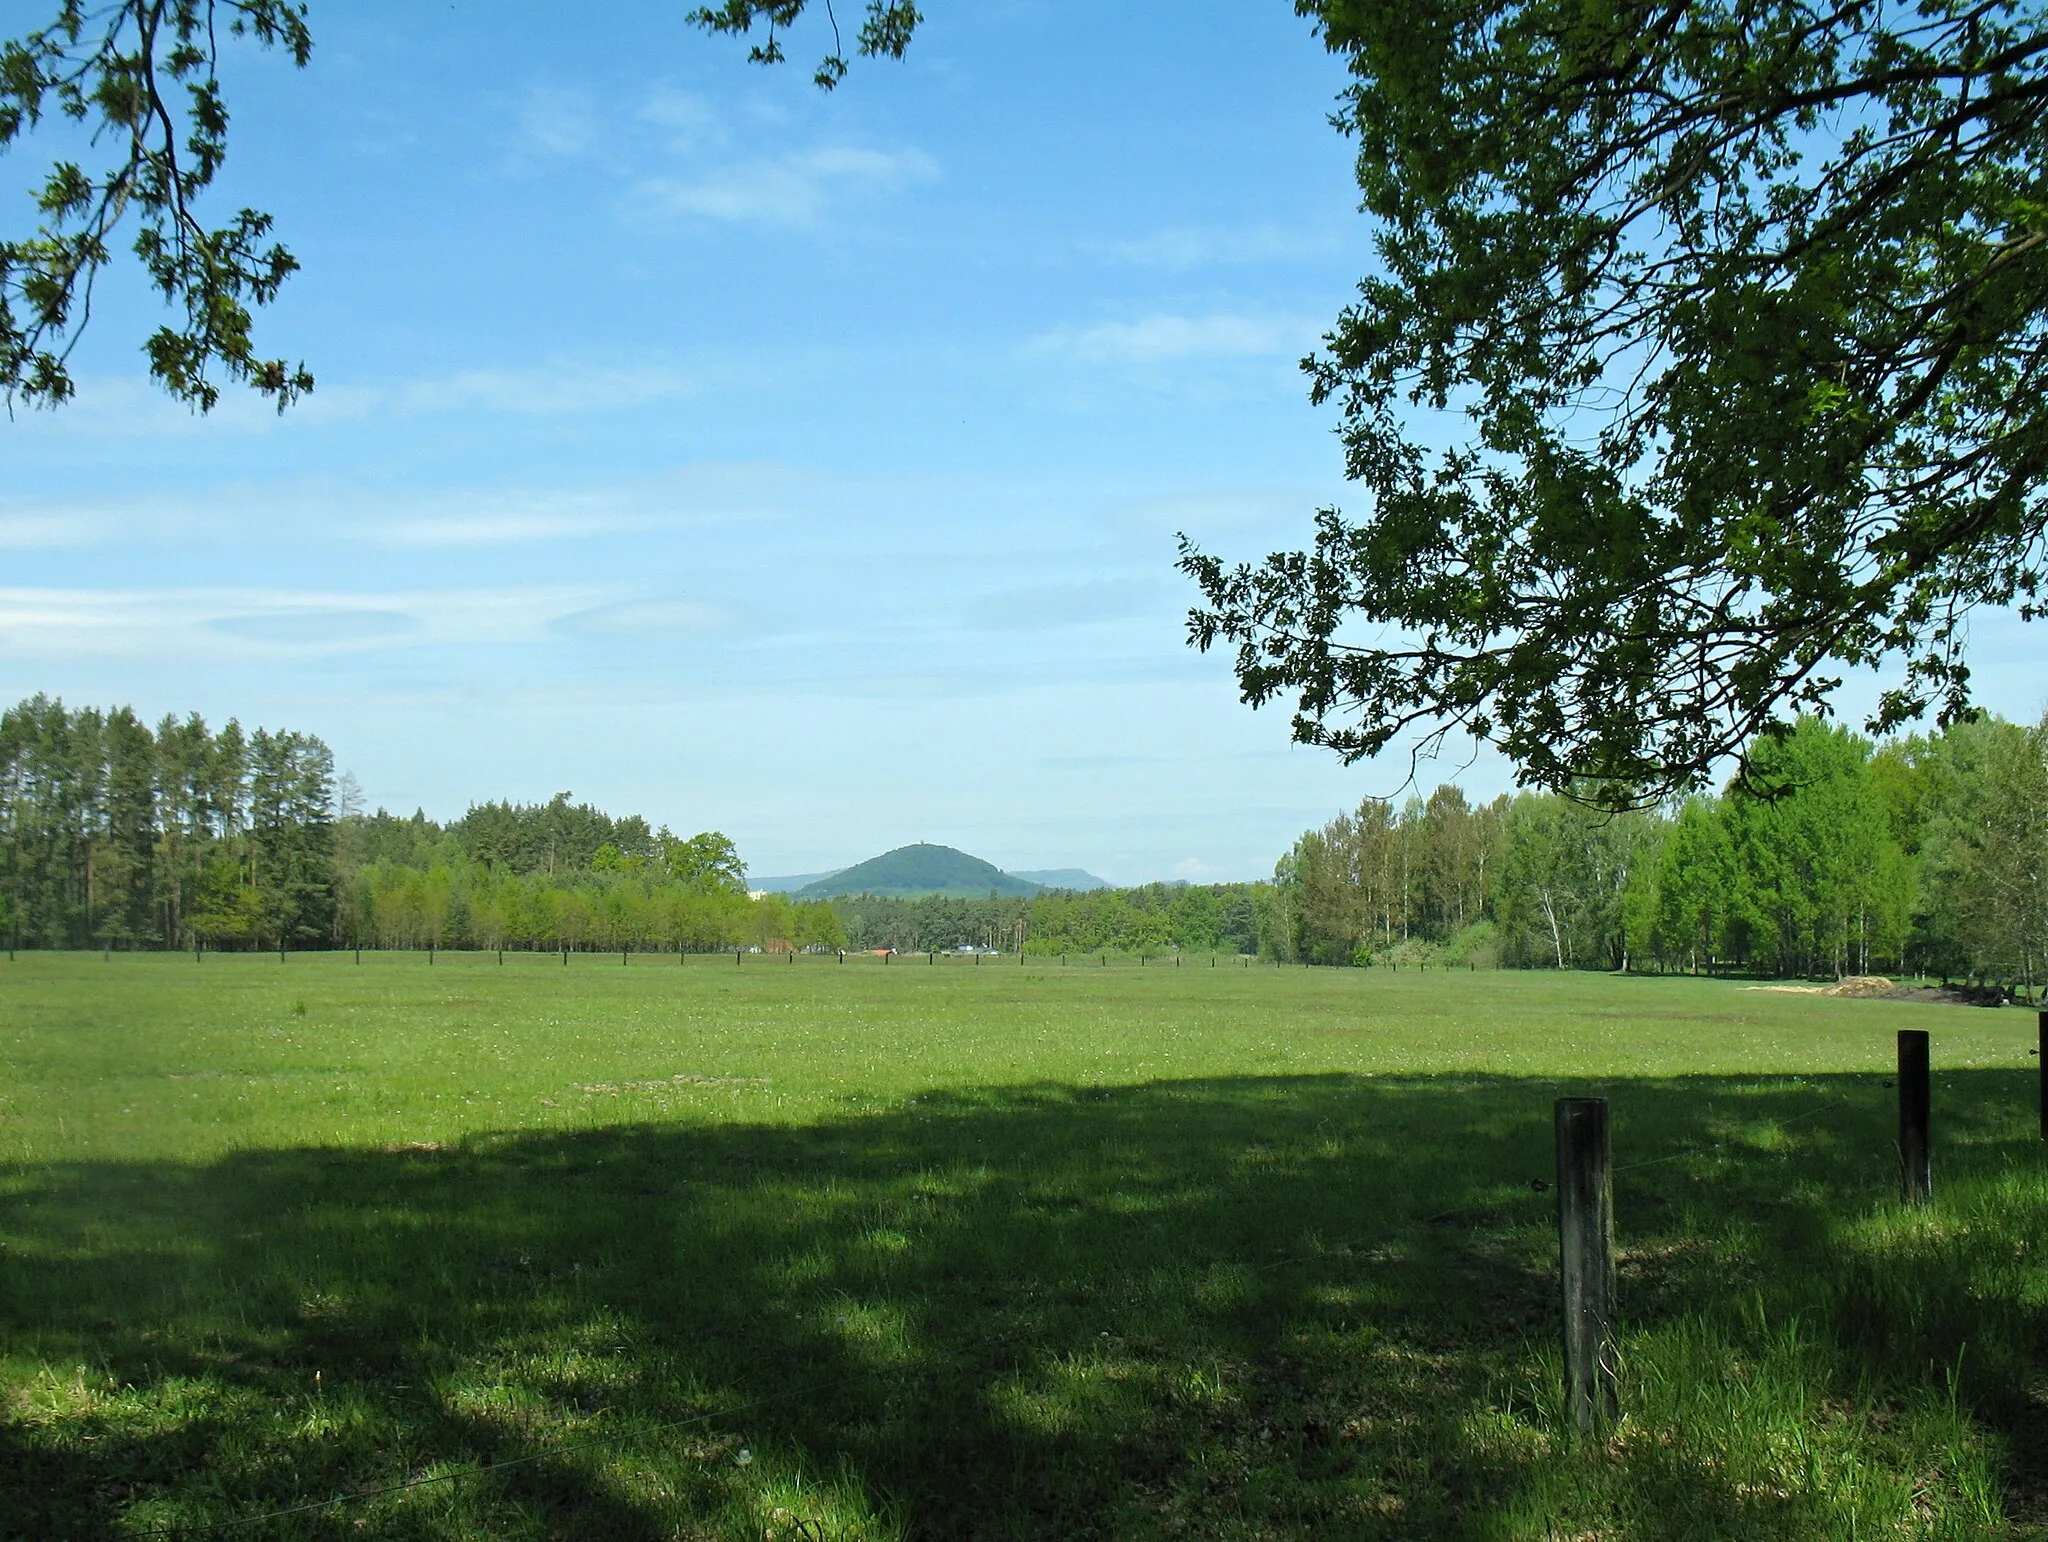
921, 869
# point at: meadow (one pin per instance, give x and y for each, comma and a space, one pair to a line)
312, 1249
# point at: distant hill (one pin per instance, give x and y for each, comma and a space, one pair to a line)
789, 884
1064, 878
920, 869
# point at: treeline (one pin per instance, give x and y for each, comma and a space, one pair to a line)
115, 834
119, 835
1154, 918
1926, 855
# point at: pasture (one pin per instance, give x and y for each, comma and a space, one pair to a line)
310, 1249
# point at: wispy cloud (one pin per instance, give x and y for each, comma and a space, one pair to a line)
1188, 247
644, 619
210, 623
315, 625
48, 532
688, 122
558, 123
130, 407
273, 514
791, 190
566, 388
1154, 339
738, 494
469, 518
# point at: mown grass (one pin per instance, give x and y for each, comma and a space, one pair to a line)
819, 1250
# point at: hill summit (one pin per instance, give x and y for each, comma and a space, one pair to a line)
919, 869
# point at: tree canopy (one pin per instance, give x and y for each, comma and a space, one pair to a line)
1702, 362
1700, 365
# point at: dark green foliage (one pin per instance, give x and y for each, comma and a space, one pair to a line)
114, 835
552, 837
291, 833
1701, 363
1154, 918
884, 32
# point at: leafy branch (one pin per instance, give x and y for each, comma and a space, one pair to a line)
1732, 315
141, 76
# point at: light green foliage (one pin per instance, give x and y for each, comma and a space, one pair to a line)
708, 862
1567, 877
1980, 794
1011, 1252
1372, 882
1825, 887
1697, 884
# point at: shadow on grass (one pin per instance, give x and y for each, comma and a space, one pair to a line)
1215, 1308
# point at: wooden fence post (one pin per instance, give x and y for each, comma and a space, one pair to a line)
2043, 1053
1585, 1244
1916, 1171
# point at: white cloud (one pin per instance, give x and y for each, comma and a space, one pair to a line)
1185, 247
792, 189
211, 623
1155, 339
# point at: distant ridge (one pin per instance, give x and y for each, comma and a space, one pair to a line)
1064, 878
920, 869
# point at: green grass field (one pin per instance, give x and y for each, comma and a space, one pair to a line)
808, 1251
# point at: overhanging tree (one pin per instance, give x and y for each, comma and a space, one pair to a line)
1702, 363
140, 77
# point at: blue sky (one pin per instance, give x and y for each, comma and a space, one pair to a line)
802, 466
